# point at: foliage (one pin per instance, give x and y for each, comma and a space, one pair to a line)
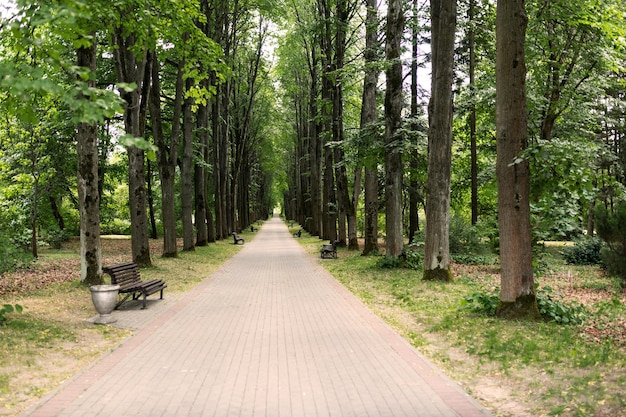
586, 251
12, 257
482, 302
553, 309
611, 227
410, 258
463, 236
473, 259
6, 309
562, 184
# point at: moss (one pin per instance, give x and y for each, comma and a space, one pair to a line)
523, 308
438, 274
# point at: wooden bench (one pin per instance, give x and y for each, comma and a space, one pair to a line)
329, 249
127, 276
237, 240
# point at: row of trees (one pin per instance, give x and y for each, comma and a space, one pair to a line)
186, 88
182, 86
533, 169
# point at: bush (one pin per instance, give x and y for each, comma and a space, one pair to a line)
410, 259
463, 236
611, 226
55, 237
12, 258
584, 252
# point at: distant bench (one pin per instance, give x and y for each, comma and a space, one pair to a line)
237, 240
127, 276
329, 249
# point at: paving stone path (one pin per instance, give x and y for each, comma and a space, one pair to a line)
269, 334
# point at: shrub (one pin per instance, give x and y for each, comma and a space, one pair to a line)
611, 226
463, 236
12, 257
584, 252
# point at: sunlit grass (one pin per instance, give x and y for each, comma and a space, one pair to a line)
554, 369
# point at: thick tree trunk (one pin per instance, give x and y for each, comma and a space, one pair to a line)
437, 246
369, 114
394, 243
517, 294
88, 194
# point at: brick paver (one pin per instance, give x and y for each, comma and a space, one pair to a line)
269, 334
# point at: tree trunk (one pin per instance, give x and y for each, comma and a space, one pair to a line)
393, 136
437, 246
151, 211
369, 114
186, 174
472, 118
517, 294
414, 154
88, 194
167, 155
200, 178
130, 68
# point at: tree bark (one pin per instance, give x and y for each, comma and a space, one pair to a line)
369, 114
394, 243
517, 294
167, 155
200, 178
437, 246
88, 194
186, 173
130, 68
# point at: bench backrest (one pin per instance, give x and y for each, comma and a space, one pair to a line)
125, 275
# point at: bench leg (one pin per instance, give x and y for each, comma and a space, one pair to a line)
161, 294
144, 302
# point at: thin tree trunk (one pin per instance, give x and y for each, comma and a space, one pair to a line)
167, 155
200, 180
88, 194
472, 120
186, 173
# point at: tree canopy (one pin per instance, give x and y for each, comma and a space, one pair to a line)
194, 119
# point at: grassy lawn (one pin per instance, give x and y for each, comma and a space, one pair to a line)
514, 368
50, 340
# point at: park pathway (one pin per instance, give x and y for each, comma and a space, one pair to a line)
269, 334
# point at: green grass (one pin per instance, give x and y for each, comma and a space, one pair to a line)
567, 372
51, 340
